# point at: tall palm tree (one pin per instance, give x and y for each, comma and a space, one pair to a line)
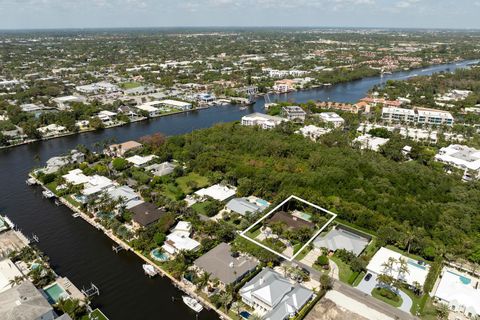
204, 279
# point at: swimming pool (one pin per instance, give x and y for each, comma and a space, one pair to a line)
245, 314
466, 281
158, 255
262, 203
415, 264
55, 292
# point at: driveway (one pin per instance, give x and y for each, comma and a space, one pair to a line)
368, 286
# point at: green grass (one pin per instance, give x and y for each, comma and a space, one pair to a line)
297, 247
428, 310
95, 314
130, 85
52, 186
199, 207
183, 182
394, 303
416, 301
253, 234
302, 254
358, 279
70, 199
344, 271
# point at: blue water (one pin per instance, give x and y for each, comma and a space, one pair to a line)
262, 202
158, 255
414, 264
464, 280
245, 314
55, 293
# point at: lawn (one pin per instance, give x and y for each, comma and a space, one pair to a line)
171, 191
130, 85
253, 234
396, 302
428, 310
70, 199
199, 207
95, 315
415, 299
358, 279
191, 181
302, 254
344, 271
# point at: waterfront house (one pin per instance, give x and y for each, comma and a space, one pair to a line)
224, 265
145, 214
294, 113
25, 302
8, 273
284, 86
461, 292
274, 297
150, 109
94, 187
179, 239
264, 121
119, 150
52, 130
126, 195
175, 104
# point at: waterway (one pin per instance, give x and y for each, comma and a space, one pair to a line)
82, 253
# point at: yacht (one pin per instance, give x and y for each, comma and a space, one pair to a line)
192, 303
48, 194
149, 270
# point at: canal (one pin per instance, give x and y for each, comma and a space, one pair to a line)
82, 253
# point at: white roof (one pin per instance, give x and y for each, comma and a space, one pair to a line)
8, 271
460, 156
139, 160
416, 273
217, 192
331, 117
175, 103
147, 108
179, 241
183, 226
76, 177
96, 184
367, 141
458, 290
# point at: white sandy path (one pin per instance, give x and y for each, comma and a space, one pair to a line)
354, 306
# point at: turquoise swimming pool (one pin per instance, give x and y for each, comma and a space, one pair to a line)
466, 281
262, 203
55, 292
415, 264
158, 255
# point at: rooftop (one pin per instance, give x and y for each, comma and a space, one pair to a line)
23, 302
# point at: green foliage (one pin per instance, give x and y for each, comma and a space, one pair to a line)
322, 260
119, 164
432, 275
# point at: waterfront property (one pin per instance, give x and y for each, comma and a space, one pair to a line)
25, 302
342, 238
62, 289
264, 121
399, 267
179, 239
224, 265
175, 104
9, 273
294, 113
145, 214
418, 116
119, 150
274, 297
459, 291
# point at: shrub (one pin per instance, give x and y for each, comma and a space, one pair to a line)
322, 260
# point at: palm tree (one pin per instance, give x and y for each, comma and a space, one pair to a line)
385, 279
403, 267
442, 311
204, 279
225, 299
16, 281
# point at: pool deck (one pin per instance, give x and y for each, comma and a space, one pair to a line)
179, 284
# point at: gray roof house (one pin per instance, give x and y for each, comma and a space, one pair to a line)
242, 206
220, 263
340, 238
25, 302
274, 297
161, 169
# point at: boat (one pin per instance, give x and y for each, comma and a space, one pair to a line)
57, 203
48, 194
76, 215
192, 303
149, 270
31, 182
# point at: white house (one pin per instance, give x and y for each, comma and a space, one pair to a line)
175, 104
264, 121
141, 161
313, 132
294, 113
370, 142
102, 86
52, 130
461, 157
179, 239
273, 297
418, 115
8, 272
63, 103
333, 118
218, 192
151, 110
416, 272
459, 291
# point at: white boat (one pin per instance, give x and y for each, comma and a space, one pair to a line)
149, 270
31, 182
76, 215
192, 303
48, 194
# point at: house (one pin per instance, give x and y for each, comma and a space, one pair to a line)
25, 302
119, 150
63, 103
218, 192
55, 163
274, 297
343, 238
175, 104
106, 116
82, 124
332, 118
313, 132
461, 157
416, 272
76, 177
294, 113
150, 109
145, 214
8, 272
292, 221
223, 265
52, 130
370, 142
244, 206
99, 87
459, 291
179, 239
206, 97
94, 187
264, 121
128, 197
418, 116
284, 86
161, 169
141, 161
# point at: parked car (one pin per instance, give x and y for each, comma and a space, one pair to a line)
368, 276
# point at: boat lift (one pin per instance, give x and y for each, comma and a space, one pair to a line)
92, 291
118, 248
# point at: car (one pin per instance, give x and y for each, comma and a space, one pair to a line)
368, 276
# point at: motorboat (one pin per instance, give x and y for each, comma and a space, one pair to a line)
48, 194
192, 303
149, 270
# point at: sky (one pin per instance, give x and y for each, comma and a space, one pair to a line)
38, 14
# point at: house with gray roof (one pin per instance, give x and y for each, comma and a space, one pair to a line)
25, 302
161, 169
273, 297
341, 238
221, 264
243, 207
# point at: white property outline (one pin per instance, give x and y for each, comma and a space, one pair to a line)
274, 210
